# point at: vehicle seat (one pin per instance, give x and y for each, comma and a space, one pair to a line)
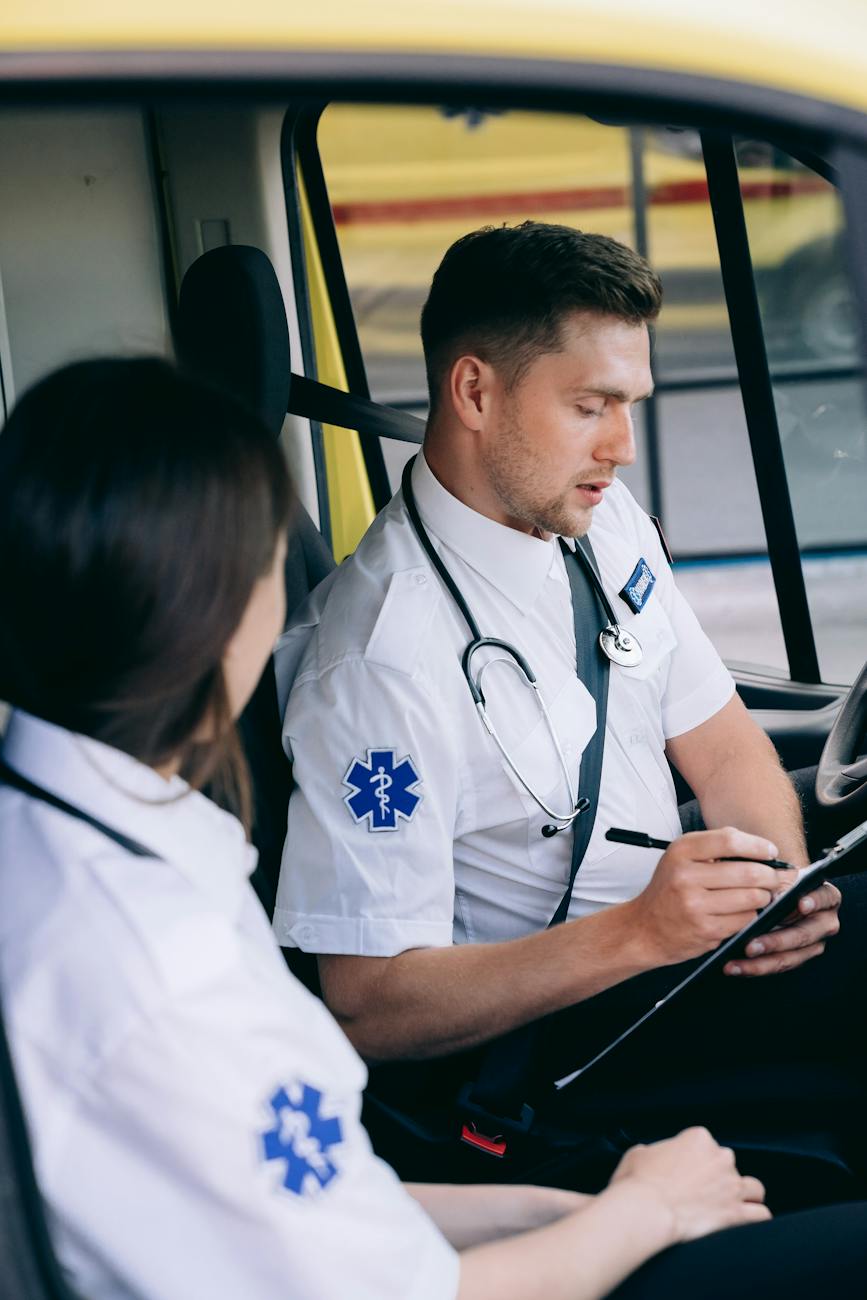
29, 1269
231, 330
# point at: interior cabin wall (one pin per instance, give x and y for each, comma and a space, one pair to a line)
84, 197
80, 256
224, 185
82, 262
81, 267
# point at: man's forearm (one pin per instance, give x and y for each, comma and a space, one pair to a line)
432, 1001
751, 791
736, 774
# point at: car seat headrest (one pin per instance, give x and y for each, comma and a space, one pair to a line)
231, 328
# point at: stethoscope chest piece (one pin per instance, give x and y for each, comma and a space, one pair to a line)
620, 647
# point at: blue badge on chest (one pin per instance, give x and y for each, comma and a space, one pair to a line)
303, 1138
381, 789
639, 585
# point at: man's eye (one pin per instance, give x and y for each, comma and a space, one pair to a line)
588, 410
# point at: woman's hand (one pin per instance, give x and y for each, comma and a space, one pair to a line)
670, 1192
698, 1181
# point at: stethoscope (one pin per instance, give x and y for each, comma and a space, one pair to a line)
620, 647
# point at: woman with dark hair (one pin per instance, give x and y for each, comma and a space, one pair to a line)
194, 1112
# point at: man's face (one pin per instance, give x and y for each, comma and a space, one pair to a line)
554, 443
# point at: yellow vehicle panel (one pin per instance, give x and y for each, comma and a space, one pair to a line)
404, 185
793, 45
427, 180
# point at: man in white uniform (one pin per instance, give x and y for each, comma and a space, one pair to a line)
416, 864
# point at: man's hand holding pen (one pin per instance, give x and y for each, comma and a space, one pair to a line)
695, 900
710, 884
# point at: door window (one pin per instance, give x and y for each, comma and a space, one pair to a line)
795, 226
405, 182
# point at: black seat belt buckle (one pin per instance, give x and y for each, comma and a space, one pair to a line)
487, 1132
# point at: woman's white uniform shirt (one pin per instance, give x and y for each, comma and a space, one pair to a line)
374, 666
194, 1112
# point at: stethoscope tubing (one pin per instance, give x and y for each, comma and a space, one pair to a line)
515, 659
451, 585
423, 536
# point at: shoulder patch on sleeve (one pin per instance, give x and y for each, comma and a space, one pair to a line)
402, 624
381, 789
302, 1139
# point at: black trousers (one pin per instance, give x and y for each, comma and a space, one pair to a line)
796, 1257
751, 1058
756, 1060
775, 1066
771, 1064
725, 1025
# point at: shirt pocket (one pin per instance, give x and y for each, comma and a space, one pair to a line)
653, 630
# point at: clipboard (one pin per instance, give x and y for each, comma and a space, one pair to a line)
834, 863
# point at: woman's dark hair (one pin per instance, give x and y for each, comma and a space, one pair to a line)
138, 508
503, 293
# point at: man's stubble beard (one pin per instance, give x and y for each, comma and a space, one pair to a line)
509, 465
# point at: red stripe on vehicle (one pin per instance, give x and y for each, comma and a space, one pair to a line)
490, 205
672, 193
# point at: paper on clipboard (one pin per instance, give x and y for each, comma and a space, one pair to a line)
834, 863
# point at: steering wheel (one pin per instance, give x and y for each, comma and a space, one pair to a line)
841, 779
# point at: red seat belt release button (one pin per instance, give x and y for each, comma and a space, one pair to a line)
493, 1146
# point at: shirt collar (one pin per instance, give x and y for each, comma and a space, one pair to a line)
178, 824
513, 562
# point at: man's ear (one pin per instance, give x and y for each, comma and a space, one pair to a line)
470, 382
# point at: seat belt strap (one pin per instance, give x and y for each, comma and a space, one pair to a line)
317, 401
594, 670
501, 1086
8, 776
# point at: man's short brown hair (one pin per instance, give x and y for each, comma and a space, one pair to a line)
503, 292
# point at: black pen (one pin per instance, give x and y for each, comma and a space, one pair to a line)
644, 841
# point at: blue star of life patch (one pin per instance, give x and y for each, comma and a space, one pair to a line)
638, 587
302, 1138
381, 789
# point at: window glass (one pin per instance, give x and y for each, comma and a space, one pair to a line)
406, 182
711, 500
714, 525
795, 226
693, 341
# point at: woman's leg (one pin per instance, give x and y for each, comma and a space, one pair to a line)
796, 1257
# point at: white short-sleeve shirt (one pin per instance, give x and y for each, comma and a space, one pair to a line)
193, 1111
406, 828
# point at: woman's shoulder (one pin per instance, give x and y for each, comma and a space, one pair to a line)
92, 939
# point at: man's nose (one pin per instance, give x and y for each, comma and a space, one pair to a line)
618, 445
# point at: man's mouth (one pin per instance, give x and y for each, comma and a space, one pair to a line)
592, 492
